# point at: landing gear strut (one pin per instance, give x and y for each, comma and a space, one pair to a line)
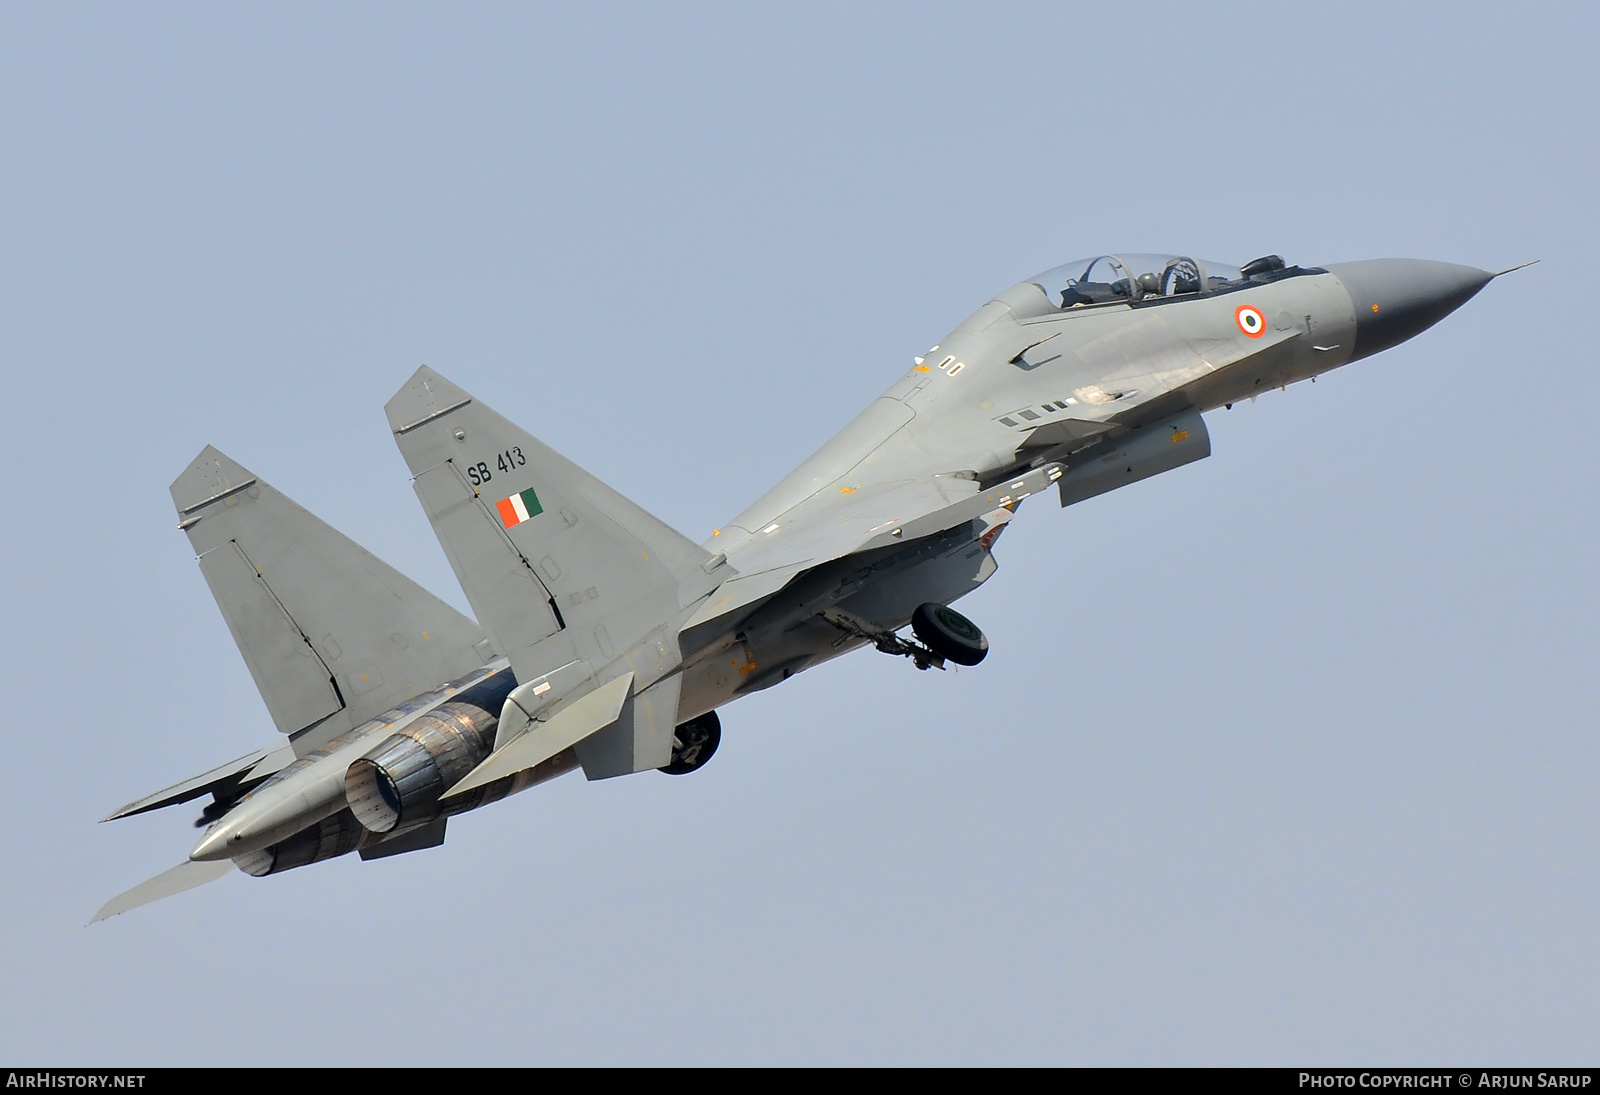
944, 638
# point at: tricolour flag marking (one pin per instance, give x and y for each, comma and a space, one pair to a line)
519, 508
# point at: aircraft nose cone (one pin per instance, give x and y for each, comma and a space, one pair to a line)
1396, 299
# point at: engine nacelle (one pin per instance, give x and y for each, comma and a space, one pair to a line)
399, 783
334, 835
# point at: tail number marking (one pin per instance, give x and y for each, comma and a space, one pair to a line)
509, 460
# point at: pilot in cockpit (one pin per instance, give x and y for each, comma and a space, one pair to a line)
1110, 279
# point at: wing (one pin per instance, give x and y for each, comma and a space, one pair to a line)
832, 526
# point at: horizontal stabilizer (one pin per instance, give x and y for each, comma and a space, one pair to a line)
225, 780
540, 545
543, 740
331, 634
185, 876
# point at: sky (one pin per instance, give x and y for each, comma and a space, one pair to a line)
1284, 757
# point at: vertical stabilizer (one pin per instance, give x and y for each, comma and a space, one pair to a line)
331, 634
556, 564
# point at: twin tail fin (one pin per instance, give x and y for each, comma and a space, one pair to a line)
332, 635
557, 566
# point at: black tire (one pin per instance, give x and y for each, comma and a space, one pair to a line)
694, 743
949, 634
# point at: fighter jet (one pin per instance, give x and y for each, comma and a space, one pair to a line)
608, 642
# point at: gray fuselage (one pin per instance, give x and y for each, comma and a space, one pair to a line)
1028, 380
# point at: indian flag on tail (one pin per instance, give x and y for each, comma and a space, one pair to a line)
519, 507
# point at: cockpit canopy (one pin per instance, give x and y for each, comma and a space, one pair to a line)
1133, 278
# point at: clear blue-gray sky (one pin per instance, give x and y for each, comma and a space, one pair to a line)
1288, 756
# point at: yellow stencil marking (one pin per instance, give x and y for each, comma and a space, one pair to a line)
1181, 435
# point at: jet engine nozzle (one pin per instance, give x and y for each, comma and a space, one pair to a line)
1397, 299
400, 781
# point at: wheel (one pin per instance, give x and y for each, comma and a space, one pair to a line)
693, 744
949, 634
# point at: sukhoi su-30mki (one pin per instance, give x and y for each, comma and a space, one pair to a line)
606, 641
